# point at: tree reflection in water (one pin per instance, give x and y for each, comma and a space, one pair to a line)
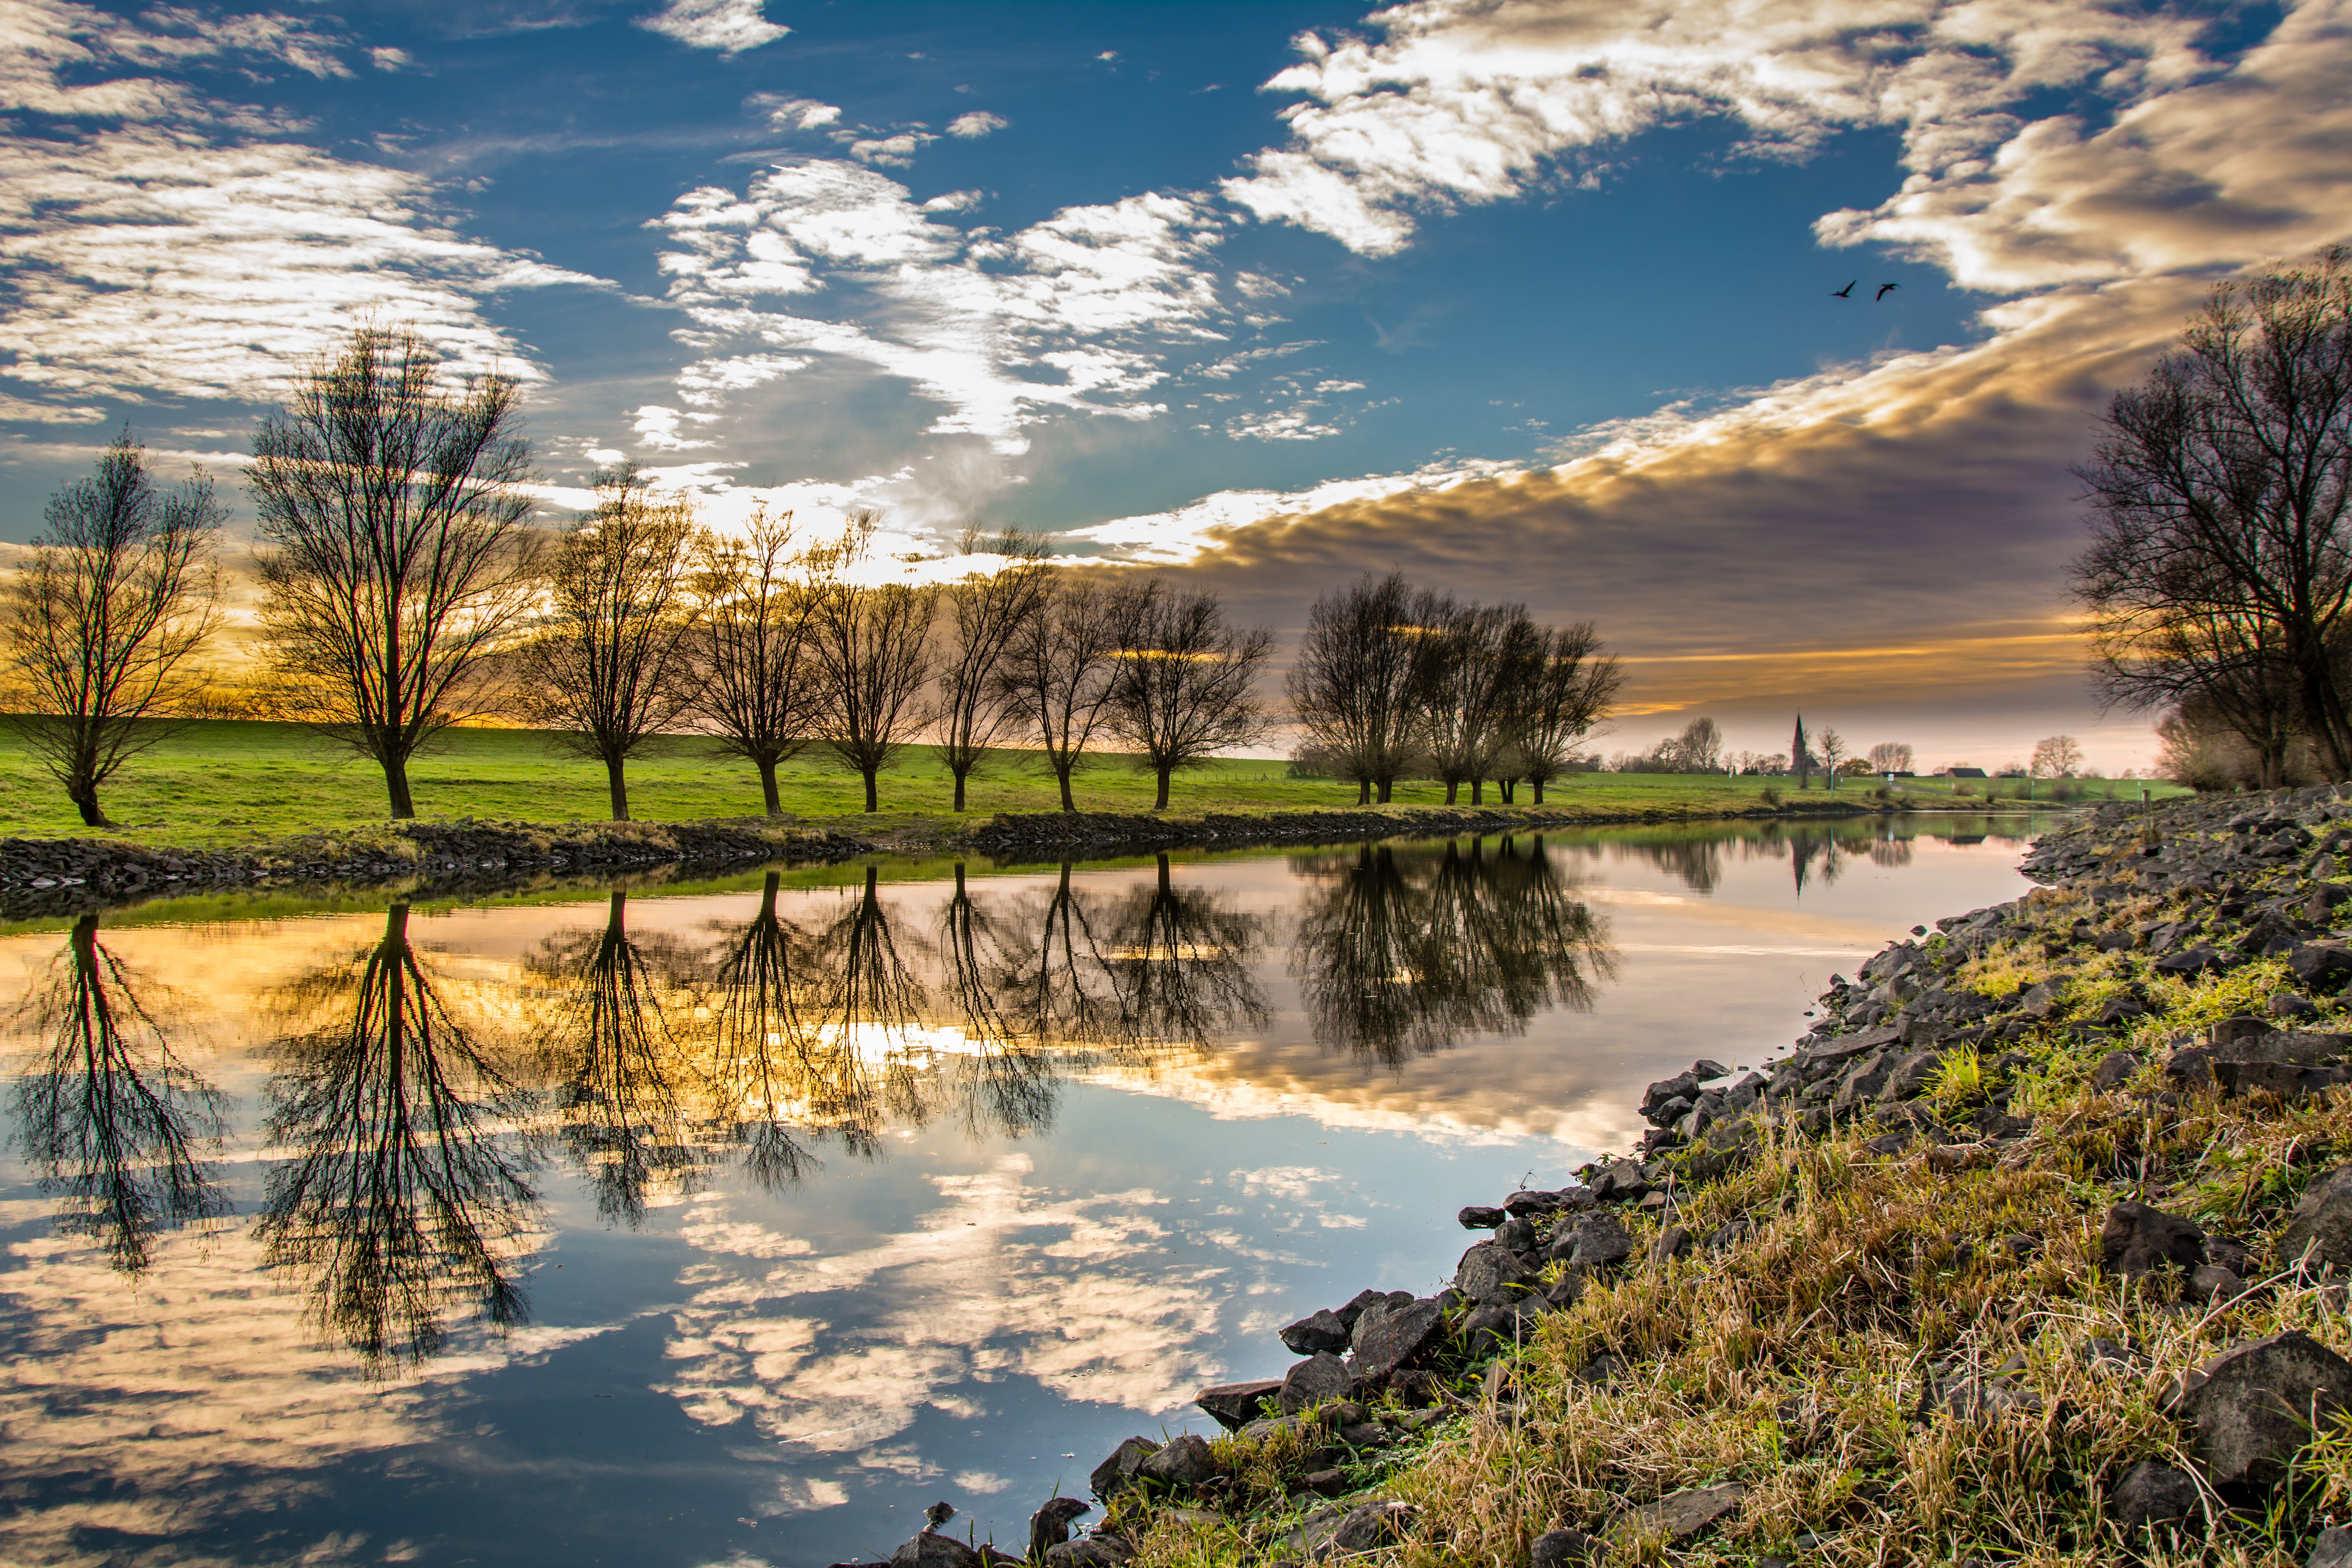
1407, 951
1055, 987
1179, 963
1008, 1084
769, 1082
868, 1011
618, 1062
406, 1193
112, 1118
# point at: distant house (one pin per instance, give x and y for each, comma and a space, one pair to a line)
1964, 772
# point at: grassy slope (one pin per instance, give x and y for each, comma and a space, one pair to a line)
229, 782
1798, 1360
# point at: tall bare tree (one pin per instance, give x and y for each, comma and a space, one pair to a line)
985, 612
757, 692
1891, 757
1186, 683
1063, 665
395, 558
608, 670
2221, 499
869, 644
1570, 690
1356, 681
101, 618
1484, 655
1833, 750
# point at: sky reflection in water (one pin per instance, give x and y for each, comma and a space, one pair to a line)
735, 1227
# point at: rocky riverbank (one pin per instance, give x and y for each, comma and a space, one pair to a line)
57, 875
2033, 1248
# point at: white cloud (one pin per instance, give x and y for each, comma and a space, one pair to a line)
662, 428
1088, 295
897, 152
17, 409
177, 252
976, 124
1279, 424
796, 113
730, 27
1183, 533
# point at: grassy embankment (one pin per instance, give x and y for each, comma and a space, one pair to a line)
226, 783
1804, 1358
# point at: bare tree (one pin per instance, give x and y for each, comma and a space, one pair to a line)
758, 690
1355, 682
1570, 690
2056, 757
1185, 685
2221, 502
102, 616
870, 646
607, 670
1891, 757
1833, 750
985, 612
1484, 657
1062, 665
395, 558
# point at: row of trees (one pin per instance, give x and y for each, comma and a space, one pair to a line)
405, 589
1393, 682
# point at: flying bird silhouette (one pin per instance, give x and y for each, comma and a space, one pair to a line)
1883, 288
1844, 293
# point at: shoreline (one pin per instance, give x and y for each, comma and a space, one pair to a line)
430, 856
1951, 1278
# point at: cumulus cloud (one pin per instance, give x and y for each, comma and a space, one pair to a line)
190, 249
730, 26
976, 124
1068, 313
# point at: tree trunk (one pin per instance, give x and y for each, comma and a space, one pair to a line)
1386, 785
958, 798
767, 791
83, 791
1363, 792
873, 798
1477, 791
1451, 786
1510, 787
1162, 804
618, 785
1062, 777
1538, 788
395, 785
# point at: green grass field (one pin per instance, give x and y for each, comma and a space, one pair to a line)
231, 782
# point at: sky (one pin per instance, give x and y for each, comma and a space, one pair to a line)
1531, 299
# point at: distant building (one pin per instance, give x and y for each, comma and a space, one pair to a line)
1964, 772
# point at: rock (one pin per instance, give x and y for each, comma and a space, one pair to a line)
2252, 1406
1686, 1513
1861, 1082
1370, 1526
1492, 1272
1707, 1068
2321, 966
1521, 1203
1599, 1240
2320, 1233
1318, 1331
930, 1551
2115, 1070
1517, 1235
1911, 1075
1478, 1216
1365, 1300
2287, 1005
1235, 1405
1672, 1243
2333, 1550
1185, 1461
1622, 1182
2136, 1239
1050, 1526
1490, 1329
1397, 1338
1682, 1085
2152, 1492
1319, 1379
1114, 1474
1093, 1551
2194, 961
1563, 1548
2215, 1284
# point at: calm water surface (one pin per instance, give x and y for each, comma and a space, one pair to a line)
734, 1226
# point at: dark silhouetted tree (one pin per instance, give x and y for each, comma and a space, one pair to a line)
1570, 690
986, 610
1062, 667
870, 646
1186, 687
1355, 686
757, 691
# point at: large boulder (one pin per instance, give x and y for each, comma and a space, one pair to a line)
2137, 1239
1318, 1331
1491, 1272
1235, 1405
2253, 1406
1050, 1526
1116, 1473
1598, 1241
1397, 1338
2320, 1233
1317, 1380
933, 1551
1184, 1462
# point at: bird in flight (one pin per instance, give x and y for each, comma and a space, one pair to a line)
1883, 289
1844, 293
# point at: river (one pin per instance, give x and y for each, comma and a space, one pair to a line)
687, 1225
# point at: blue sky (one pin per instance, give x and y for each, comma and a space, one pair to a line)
1532, 297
